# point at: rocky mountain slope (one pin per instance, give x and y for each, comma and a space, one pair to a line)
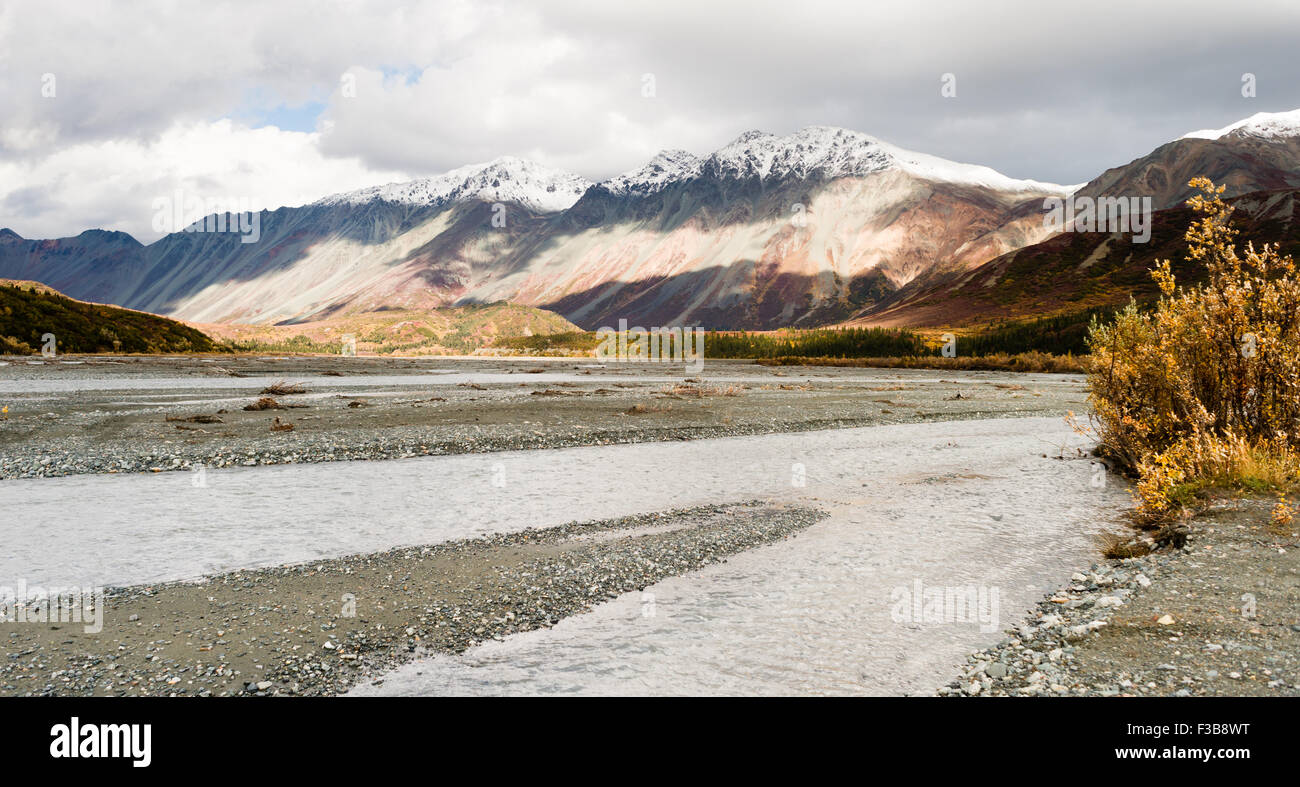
1083, 269
821, 226
1259, 153
1074, 271
766, 231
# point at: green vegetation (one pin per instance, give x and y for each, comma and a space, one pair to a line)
1043, 344
1061, 334
820, 343
1032, 361
28, 311
293, 344
824, 342
564, 343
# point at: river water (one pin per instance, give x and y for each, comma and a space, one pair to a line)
988, 505
972, 505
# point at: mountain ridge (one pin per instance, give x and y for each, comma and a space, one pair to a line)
818, 226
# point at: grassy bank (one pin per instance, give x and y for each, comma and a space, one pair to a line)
451, 330
997, 362
580, 343
1049, 344
33, 315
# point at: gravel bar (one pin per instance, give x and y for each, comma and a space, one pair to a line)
321, 627
529, 404
1219, 616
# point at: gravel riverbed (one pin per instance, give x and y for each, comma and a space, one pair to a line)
321, 627
1218, 616
95, 414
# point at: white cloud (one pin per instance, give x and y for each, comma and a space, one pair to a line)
113, 184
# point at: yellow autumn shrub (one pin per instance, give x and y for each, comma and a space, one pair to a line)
1204, 389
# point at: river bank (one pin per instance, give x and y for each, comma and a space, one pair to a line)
1219, 616
949, 503
98, 414
320, 627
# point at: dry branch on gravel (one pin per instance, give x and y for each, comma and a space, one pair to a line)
282, 388
265, 403
196, 419
701, 391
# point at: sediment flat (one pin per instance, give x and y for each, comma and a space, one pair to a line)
327, 626
320, 627
98, 414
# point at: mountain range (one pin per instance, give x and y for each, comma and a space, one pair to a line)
822, 226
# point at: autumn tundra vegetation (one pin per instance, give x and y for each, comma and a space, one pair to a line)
1203, 390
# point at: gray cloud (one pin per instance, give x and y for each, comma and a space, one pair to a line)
1044, 91
28, 201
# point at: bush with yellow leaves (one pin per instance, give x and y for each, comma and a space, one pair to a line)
1205, 389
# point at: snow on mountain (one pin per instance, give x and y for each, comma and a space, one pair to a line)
724, 251
667, 167
506, 179
816, 151
1260, 124
934, 168
825, 152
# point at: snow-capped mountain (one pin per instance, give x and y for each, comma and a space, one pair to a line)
802, 229
823, 152
830, 152
1270, 125
506, 179
767, 230
1261, 152
1259, 155
667, 167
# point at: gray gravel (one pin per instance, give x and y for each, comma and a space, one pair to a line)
1218, 616
287, 630
124, 431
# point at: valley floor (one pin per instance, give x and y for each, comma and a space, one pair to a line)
1218, 617
97, 414
754, 543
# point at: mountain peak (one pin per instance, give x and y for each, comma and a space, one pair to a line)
821, 150
749, 136
833, 152
503, 179
7, 234
824, 152
1269, 125
99, 235
666, 167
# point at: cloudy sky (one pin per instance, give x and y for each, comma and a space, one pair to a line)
107, 106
